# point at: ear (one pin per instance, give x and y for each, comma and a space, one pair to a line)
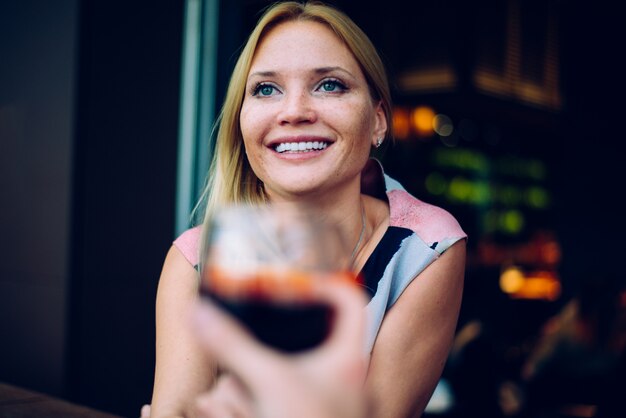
380, 124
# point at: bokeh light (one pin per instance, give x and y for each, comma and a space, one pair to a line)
442, 124
537, 197
511, 280
460, 189
533, 285
422, 121
436, 183
401, 123
511, 221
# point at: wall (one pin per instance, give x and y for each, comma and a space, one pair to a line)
38, 42
89, 101
123, 196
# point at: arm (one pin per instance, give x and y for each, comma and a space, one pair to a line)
415, 337
183, 369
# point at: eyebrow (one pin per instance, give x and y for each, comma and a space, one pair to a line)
262, 74
319, 71
326, 70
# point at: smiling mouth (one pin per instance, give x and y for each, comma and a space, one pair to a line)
300, 147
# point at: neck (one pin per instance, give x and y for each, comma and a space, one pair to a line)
343, 208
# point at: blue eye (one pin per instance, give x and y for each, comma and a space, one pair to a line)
264, 90
332, 86
329, 86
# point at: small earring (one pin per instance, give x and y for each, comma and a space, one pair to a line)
379, 142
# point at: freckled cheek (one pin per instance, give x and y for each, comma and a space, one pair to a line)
253, 130
245, 123
254, 123
353, 120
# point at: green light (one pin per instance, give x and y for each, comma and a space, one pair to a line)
460, 189
537, 197
511, 221
461, 158
435, 183
481, 193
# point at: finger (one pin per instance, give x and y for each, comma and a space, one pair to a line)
227, 399
232, 346
145, 411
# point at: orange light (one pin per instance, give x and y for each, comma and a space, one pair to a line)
534, 285
539, 288
511, 280
401, 123
422, 121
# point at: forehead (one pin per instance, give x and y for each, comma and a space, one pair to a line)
302, 43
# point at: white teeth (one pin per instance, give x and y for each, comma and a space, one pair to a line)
300, 146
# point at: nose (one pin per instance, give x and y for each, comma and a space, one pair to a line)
297, 108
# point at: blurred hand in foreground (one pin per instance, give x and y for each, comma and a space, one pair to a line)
260, 382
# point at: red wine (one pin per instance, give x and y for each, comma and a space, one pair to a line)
275, 304
286, 327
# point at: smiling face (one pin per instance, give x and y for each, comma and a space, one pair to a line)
308, 119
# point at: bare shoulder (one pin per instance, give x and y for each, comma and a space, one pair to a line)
178, 276
452, 260
177, 261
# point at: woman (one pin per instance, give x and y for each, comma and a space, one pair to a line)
307, 101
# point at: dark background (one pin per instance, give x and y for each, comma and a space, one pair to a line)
89, 101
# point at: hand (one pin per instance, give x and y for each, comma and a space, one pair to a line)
260, 382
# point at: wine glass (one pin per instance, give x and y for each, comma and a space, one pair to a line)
259, 262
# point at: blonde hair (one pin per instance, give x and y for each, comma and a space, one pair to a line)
231, 179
